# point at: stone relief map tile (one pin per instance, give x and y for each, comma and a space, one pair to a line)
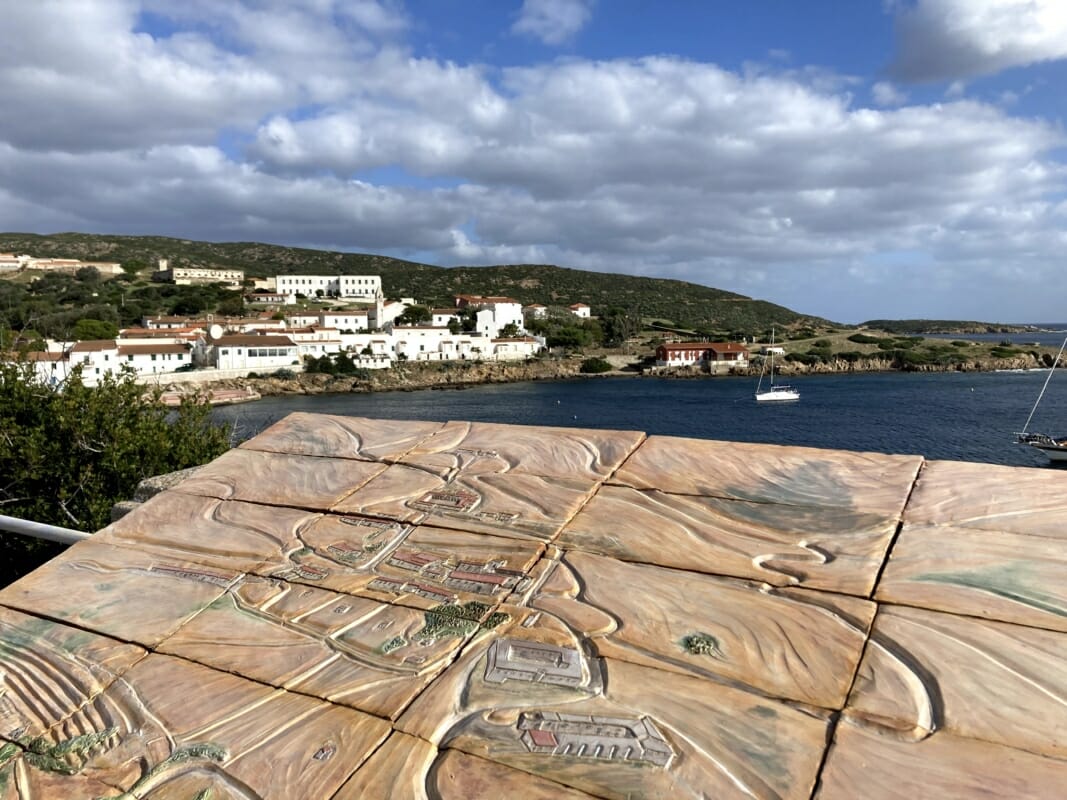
168, 719
226, 534
798, 476
48, 670
359, 438
508, 504
837, 549
398, 770
481, 447
864, 764
1001, 576
458, 776
118, 592
796, 644
280, 480
537, 700
394, 562
926, 671
990, 497
356, 652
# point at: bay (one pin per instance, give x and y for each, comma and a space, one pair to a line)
954, 416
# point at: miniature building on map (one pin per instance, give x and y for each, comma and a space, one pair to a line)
608, 738
533, 662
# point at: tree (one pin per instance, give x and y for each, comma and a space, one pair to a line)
88, 275
509, 331
455, 327
68, 456
232, 306
413, 315
86, 329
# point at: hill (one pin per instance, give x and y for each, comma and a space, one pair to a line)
921, 326
678, 302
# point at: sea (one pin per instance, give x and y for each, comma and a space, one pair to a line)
944, 415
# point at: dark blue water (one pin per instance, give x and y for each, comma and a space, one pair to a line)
967, 417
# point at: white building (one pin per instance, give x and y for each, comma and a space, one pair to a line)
270, 298
96, 357
9, 262
427, 343
189, 276
387, 311
69, 265
352, 320
493, 314
535, 311
51, 367
514, 349
440, 317
316, 341
255, 353
158, 357
368, 287
580, 310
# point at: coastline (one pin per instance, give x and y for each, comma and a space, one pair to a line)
462, 375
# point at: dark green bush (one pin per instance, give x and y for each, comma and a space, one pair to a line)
595, 365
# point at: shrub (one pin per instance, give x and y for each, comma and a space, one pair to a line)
283, 373
68, 454
863, 338
595, 365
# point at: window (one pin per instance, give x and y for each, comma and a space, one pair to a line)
129, 358
153, 356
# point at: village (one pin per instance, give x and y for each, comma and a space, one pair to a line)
348, 317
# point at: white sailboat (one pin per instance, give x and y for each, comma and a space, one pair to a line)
1055, 449
779, 392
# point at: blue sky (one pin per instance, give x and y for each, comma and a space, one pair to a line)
855, 160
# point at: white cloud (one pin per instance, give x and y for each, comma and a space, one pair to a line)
944, 40
553, 21
886, 94
777, 184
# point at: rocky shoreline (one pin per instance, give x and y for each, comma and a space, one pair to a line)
462, 375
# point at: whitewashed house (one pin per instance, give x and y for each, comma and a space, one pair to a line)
493, 314
96, 357
350, 320
315, 341
580, 310
301, 319
440, 317
152, 359
515, 349
535, 311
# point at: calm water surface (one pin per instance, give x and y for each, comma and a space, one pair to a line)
966, 417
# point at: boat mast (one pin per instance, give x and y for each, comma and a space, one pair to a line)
1042, 394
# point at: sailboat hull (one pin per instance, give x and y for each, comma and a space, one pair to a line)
779, 394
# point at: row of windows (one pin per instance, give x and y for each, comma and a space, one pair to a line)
260, 352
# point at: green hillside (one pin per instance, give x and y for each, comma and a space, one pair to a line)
677, 302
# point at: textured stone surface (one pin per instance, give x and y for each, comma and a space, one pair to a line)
346, 608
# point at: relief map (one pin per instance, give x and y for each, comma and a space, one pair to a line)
352, 608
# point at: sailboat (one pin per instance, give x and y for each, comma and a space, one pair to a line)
779, 392
1055, 449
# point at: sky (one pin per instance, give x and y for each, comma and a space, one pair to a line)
851, 159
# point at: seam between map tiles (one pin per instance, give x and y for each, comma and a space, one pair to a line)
831, 731
896, 534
